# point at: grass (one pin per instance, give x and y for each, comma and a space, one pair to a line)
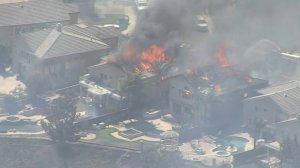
145, 127
104, 137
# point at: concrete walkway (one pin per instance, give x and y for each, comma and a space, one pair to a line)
9, 84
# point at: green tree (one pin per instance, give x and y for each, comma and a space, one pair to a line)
132, 86
37, 84
155, 158
290, 151
161, 69
5, 59
60, 125
150, 158
258, 127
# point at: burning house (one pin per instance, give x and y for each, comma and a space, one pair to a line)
103, 87
103, 82
211, 96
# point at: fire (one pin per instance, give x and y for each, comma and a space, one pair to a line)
143, 67
245, 94
153, 54
249, 80
163, 78
218, 88
205, 77
221, 58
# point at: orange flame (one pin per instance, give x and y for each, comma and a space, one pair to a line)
218, 88
205, 77
249, 80
163, 78
221, 58
152, 54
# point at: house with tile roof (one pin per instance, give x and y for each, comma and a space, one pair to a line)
211, 98
27, 16
277, 105
60, 54
102, 87
106, 34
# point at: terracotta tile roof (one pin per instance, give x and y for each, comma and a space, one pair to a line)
288, 99
34, 12
52, 43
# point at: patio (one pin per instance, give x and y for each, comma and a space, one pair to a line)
211, 150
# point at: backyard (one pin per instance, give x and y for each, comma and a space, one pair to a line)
104, 137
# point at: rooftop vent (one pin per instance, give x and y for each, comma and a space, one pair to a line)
21, 5
58, 27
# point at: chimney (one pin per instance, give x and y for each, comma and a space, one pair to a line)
22, 4
58, 27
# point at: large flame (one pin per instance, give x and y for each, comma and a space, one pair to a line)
205, 77
149, 56
221, 58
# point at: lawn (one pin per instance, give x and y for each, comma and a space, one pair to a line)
104, 137
144, 126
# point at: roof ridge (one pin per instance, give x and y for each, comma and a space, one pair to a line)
47, 43
270, 94
85, 38
81, 32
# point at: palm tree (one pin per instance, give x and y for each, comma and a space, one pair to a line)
161, 70
155, 158
258, 128
132, 86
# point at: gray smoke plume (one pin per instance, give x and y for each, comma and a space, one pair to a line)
245, 26
241, 25
253, 20
166, 23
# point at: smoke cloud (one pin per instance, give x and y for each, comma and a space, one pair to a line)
165, 23
252, 31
